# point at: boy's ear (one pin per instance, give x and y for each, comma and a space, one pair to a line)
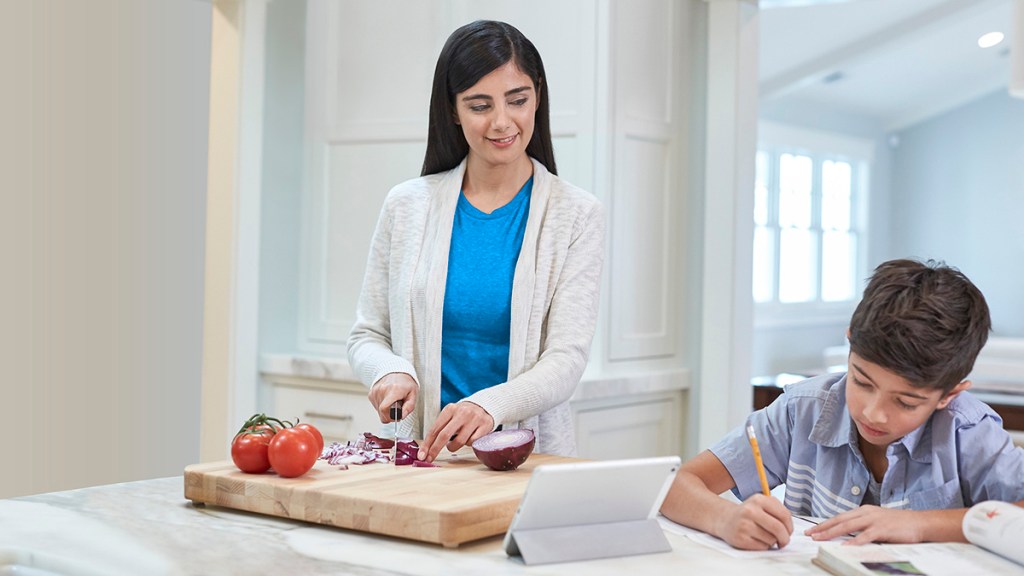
953, 394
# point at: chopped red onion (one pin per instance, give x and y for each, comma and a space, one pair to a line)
378, 443
353, 452
406, 450
370, 448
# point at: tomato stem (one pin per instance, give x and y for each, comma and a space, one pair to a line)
255, 425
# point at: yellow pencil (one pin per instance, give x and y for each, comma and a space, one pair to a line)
758, 461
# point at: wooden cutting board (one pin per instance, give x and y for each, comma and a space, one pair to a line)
459, 501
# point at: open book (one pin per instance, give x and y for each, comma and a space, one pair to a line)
994, 526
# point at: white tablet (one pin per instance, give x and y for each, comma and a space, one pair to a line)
600, 493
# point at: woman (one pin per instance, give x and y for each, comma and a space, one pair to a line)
481, 289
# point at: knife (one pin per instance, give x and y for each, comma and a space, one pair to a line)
396, 415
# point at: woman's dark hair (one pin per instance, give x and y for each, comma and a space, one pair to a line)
924, 321
472, 52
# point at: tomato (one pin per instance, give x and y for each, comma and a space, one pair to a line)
316, 436
292, 452
250, 452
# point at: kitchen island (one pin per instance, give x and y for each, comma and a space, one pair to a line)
149, 528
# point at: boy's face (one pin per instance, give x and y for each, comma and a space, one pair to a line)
885, 406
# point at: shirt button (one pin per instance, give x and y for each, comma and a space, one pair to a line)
855, 490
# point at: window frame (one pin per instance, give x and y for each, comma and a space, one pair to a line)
775, 140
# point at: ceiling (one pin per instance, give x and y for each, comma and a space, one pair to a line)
897, 62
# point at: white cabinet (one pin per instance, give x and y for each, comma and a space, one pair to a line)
338, 409
629, 426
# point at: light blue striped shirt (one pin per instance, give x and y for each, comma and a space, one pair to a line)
959, 457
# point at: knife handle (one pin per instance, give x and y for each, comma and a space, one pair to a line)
396, 411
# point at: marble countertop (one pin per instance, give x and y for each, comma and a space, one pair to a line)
148, 527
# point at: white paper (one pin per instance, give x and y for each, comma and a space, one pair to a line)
799, 544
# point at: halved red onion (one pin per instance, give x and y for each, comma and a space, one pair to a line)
505, 449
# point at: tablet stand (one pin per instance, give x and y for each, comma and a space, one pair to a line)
590, 541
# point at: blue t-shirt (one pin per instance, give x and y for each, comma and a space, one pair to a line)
478, 295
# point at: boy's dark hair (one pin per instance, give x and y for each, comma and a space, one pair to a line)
924, 321
472, 52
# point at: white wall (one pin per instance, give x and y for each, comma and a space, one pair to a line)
103, 176
282, 190
958, 195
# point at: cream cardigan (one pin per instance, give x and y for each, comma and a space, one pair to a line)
555, 295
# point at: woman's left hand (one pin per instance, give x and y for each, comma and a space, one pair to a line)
456, 426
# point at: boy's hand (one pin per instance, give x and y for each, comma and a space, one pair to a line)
757, 524
874, 524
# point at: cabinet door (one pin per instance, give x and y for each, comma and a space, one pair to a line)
339, 415
629, 427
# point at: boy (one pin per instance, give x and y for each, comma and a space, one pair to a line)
891, 450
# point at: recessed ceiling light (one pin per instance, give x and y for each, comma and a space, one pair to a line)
991, 39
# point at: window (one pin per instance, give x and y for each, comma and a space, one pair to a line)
809, 194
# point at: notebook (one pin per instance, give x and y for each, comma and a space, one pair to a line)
997, 527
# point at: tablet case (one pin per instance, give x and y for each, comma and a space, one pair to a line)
592, 510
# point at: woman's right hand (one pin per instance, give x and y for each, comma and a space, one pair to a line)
391, 388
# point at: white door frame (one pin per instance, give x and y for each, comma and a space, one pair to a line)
231, 298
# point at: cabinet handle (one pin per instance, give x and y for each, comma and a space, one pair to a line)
323, 416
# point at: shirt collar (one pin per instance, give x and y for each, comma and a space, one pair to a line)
919, 441
832, 428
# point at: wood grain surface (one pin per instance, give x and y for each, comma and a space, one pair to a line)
459, 501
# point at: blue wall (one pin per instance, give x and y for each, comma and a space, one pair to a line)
952, 189
957, 194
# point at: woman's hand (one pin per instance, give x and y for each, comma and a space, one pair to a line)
757, 524
457, 425
391, 388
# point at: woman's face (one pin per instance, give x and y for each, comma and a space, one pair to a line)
497, 116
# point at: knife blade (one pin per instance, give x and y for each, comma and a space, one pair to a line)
396, 415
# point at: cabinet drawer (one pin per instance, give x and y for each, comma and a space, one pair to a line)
340, 416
